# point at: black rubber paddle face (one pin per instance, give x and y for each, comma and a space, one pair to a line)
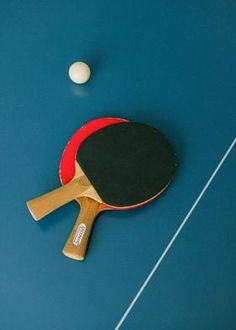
127, 163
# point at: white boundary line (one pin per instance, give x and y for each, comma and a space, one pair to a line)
171, 242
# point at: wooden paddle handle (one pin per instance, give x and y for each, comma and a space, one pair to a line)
76, 245
45, 204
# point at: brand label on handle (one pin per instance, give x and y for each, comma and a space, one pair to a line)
79, 234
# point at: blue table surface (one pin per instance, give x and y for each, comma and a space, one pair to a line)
171, 64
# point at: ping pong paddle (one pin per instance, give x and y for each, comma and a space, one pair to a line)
121, 166
69, 169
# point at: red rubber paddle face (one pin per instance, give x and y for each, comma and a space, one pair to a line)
67, 163
68, 159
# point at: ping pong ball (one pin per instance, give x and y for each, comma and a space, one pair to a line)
79, 72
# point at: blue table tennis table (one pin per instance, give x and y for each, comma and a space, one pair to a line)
170, 265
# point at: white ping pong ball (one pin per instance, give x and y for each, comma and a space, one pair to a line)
79, 72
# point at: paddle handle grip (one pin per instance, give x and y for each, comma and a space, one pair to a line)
45, 204
77, 243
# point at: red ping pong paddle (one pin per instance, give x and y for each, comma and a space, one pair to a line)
89, 208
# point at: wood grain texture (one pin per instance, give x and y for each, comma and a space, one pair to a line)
45, 204
77, 243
